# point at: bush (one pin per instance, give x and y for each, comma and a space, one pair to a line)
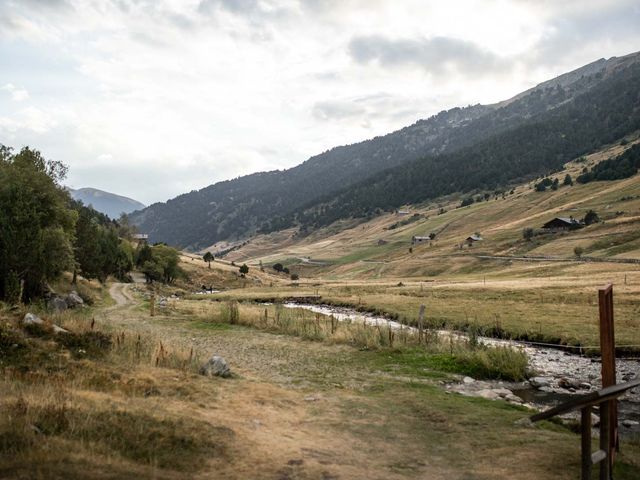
527, 233
578, 251
295, 276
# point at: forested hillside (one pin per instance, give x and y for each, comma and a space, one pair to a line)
462, 149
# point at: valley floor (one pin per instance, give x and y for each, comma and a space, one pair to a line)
295, 409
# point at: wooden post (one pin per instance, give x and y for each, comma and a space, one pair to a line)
608, 359
152, 303
605, 440
585, 423
420, 323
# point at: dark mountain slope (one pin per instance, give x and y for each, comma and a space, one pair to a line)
270, 201
544, 142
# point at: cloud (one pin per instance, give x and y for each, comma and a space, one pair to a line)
336, 110
437, 55
17, 94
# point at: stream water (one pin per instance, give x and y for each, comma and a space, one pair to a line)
559, 374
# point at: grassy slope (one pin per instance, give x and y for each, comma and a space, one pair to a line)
553, 301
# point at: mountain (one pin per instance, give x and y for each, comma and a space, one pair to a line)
108, 203
462, 149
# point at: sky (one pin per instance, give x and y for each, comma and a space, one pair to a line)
154, 98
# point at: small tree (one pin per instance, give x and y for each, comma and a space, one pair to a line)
244, 269
591, 217
568, 181
295, 276
208, 257
578, 251
527, 233
278, 267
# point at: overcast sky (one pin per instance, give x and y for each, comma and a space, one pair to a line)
153, 98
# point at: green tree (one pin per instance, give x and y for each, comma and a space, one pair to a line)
36, 223
244, 269
568, 181
527, 233
591, 217
278, 267
208, 257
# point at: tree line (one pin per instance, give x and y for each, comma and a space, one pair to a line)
44, 232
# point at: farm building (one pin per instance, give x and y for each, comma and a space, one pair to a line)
563, 223
472, 239
140, 236
415, 239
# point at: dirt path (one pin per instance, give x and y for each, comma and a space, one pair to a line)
309, 410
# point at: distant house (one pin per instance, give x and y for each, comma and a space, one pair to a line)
403, 212
140, 236
472, 239
563, 223
416, 239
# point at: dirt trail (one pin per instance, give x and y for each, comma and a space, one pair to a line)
310, 410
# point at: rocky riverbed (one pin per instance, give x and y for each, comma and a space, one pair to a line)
557, 375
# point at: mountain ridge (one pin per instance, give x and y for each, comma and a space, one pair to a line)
105, 202
268, 201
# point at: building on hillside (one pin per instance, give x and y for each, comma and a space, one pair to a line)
402, 212
141, 236
416, 239
473, 239
563, 223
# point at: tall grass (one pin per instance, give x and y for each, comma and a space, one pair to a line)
469, 354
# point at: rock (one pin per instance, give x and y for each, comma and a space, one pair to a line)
513, 399
311, 398
57, 329
216, 367
468, 380
524, 422
630, 423
73, 300
585, 386
539, 382
488, 394
57, 304
502, 392
32, 319
569, 383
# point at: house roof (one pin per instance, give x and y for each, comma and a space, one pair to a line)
475, 238
568, 221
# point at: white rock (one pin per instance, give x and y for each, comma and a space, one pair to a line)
32, 319
57, 329
468, 380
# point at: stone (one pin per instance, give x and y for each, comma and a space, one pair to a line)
585, 386
57, 304
468, 380
630, 423
488, 394
215, 367
539, 382
57, 330
502, 392
73, 300
32, 319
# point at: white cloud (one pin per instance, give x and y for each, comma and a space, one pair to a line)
18, 94
166, 96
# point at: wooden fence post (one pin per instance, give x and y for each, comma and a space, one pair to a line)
608, 359
420, 323
152, 303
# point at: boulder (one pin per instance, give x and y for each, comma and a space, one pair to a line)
630, 423
57, 303
539, 382
73, 300
215, 367
468, 380
32, 319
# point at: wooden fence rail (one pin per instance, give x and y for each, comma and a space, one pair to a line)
607, 400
